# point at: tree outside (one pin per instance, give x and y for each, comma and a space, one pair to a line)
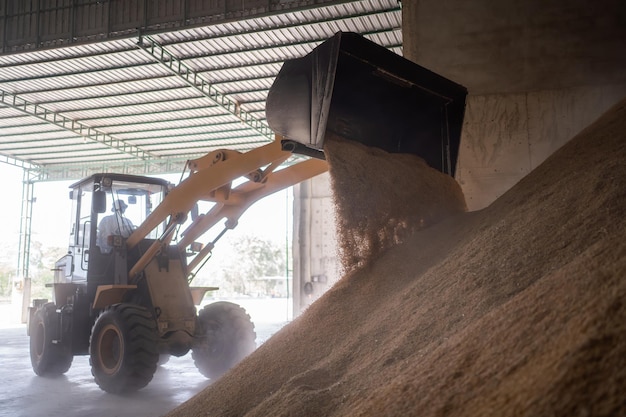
240, 264
42, 259
247, 265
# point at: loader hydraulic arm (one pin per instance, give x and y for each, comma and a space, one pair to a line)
211, 179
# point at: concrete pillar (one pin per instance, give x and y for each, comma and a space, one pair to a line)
315, 263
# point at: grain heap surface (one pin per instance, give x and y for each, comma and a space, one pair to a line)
515, 310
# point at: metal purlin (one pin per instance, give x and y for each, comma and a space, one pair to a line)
195, 80
75, 126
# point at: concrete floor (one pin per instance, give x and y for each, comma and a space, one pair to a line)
22, 393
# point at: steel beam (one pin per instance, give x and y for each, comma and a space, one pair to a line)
194, 80
80, 129
23, 279
17, 162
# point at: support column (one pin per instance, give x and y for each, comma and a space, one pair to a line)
316, 266
22, 283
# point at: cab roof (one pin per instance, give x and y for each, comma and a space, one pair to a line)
121, 177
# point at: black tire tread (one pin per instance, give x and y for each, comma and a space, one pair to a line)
140, 360
56, 358
232, 325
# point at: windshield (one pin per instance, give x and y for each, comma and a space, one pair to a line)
128, 204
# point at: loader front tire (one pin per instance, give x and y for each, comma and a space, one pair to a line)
228, 337
48, 356
124, 348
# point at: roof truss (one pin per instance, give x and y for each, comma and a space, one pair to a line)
145, 102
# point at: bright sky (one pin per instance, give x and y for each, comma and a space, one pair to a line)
269, 218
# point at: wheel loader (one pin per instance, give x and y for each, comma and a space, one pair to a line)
123, 292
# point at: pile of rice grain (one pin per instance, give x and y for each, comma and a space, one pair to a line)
518, 309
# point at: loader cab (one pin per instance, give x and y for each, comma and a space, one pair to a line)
121, 201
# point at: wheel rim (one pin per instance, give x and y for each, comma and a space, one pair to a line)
110, 349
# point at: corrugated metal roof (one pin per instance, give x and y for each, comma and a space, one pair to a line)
115, 105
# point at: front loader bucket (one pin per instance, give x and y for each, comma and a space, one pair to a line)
362, 91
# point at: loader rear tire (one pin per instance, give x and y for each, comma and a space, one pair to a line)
228, 335
124, 348
48, 357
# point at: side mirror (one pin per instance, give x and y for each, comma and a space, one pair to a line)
99, 203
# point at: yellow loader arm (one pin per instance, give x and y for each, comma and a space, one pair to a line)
211, 179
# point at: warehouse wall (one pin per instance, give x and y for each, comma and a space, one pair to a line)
505, 136
537, 72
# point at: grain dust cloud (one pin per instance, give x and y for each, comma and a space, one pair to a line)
515, 310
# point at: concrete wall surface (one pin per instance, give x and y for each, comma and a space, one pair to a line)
537, 73
505, 136
518, 46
